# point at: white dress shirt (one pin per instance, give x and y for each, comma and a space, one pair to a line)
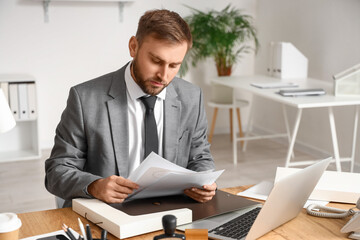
136, 112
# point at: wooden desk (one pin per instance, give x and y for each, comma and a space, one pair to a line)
302, 227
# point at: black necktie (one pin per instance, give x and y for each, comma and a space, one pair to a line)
151, 136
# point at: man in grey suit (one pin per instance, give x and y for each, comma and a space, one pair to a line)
100, 138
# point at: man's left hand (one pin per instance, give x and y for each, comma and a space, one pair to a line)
204, 194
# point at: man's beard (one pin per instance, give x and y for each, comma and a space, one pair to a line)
145, 84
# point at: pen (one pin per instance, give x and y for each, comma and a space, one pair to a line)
88, 232
68, 232
82, 229
103, 234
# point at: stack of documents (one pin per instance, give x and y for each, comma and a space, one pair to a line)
159, 177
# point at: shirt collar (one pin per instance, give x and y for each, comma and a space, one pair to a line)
134, 90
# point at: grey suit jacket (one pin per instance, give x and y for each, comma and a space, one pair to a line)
92, 142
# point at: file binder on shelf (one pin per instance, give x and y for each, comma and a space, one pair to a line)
286, 62
14, 100
22, 142
23, 101
32, 110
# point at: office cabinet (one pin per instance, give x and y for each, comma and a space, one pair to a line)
21, 142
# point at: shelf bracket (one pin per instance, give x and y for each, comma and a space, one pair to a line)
46, 4
121, 11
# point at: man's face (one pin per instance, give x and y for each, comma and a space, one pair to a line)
155, 63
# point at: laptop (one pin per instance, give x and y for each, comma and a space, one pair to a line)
284, 203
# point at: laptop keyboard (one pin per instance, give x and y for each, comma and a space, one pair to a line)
238, 227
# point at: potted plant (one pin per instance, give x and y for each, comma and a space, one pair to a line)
222, 35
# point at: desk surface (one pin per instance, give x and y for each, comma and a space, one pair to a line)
302, 227
243, 82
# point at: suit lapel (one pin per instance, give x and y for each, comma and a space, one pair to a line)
118, 114
172, 110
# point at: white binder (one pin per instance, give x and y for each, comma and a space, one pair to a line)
277, 60
31, 93
14, 100
270, 68
23, 101
287, 61
121, 224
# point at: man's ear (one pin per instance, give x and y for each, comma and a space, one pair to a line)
133, 46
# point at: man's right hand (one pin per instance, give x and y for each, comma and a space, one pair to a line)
113, 189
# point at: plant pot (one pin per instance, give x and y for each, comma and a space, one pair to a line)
224, 70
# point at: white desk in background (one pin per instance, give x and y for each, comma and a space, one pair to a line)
328, 101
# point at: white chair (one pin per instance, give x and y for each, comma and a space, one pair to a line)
222, 98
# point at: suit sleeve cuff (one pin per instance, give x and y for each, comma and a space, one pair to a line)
85, 189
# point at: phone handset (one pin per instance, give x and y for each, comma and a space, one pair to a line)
352, 226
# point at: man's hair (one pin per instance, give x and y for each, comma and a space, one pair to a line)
164, 25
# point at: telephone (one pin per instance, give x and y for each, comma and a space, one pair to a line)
352, 226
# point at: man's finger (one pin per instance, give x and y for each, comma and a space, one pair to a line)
122, 189
191, 194
198, 193
116, 200
126, 183
119, 196
197, 197
211, 187
202, 192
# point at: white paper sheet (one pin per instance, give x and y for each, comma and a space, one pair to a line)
159, 177
259, 191
262, 190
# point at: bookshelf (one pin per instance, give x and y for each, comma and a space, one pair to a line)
21, 142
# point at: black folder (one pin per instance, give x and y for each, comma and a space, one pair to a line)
221, 203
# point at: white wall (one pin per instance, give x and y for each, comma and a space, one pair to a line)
83, 40
327, 32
